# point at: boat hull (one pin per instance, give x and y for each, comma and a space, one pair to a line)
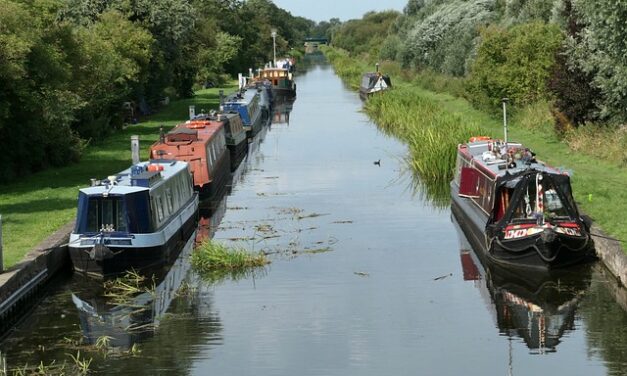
148, 252
532, 252
237, 153
219, 174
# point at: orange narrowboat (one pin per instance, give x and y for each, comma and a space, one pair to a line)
202, 144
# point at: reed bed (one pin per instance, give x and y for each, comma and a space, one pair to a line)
211, 256
431, 133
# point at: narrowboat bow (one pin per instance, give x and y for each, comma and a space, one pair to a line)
137, 219
521, 210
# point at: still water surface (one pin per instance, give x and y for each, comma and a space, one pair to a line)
366, 278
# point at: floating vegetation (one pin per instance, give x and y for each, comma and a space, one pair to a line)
312, 215
74, 365
213, 256
123, 289
342, 222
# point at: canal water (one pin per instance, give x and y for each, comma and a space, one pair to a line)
367, 278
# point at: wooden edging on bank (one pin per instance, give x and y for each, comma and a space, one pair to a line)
21, 282
611, 254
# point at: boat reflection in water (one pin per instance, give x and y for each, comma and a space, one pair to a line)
211, 211
538, 307
281, 111
133, 320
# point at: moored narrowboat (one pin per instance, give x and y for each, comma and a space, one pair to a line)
247, 104
202, 144
136, 219
521, 210
374, 82
282, 81
235, 134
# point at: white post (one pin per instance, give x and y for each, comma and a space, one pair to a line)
1, 257
135, 149
274, 46
504, 101
192, 112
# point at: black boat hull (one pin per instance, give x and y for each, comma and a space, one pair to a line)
237, 153
532, 253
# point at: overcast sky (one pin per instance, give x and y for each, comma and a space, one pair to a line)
323, 10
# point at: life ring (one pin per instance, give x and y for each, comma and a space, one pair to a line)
479, 138
155, 167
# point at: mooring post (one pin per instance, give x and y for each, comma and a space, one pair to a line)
135, 149
221, 100
192, 112
1, 257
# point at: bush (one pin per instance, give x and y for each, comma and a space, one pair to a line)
514, 63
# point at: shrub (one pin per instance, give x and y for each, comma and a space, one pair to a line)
514, 63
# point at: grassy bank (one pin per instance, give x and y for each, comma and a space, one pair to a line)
36, 206
434, 123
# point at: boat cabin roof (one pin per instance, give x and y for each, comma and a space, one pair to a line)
242, 98
139, 177
497, 159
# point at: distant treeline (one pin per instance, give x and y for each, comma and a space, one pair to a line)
570, 53
72, 71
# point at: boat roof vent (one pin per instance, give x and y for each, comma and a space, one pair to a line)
145, 179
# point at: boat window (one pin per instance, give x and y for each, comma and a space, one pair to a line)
547, 204
159, 209
106, 214
169, 200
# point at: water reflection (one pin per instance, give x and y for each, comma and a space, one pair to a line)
135, 319
538, 307
281, 112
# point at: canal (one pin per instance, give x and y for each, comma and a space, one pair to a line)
367, 278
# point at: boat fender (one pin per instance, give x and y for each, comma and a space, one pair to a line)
100, 252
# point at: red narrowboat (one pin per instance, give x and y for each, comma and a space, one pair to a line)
519, 209
201, 143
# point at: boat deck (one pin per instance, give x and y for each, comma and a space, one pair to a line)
498, 159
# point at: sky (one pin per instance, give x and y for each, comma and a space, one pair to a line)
323, 10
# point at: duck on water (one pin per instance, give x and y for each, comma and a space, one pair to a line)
519, 209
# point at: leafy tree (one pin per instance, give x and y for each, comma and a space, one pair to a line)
601, 52
514, 63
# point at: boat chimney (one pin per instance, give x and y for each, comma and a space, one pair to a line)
161, 135
241, 80
135, 149
192, 112
221, 93
377, 67
250, 73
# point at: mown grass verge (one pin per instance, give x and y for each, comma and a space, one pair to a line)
214, 261
432, 123
36, 206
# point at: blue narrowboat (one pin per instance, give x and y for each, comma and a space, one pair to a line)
136, 219
247, 104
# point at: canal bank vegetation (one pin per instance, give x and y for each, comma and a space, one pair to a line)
212, 259
556, 60
35, 206
75, 71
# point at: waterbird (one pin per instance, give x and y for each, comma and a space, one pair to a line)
377, 163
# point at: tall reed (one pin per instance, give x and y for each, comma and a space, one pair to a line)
431, 133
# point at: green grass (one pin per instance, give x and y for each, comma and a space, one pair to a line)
432, 123
36, 206
212, 256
